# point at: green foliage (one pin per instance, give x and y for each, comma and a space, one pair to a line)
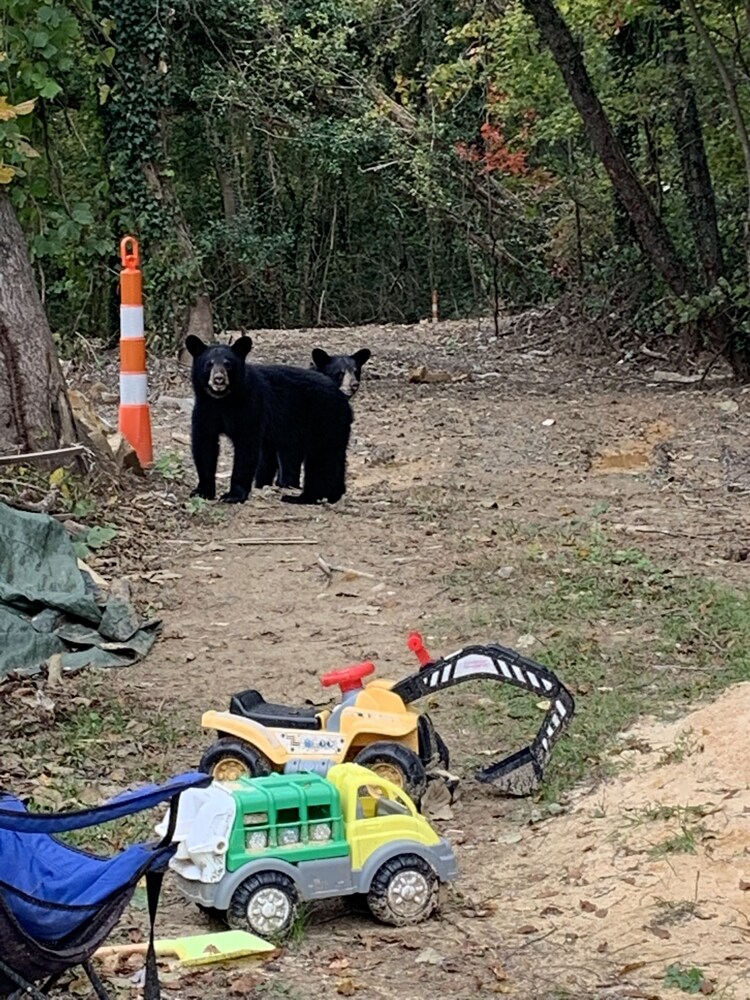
12, 139
74, 491
96, 537
330, 162
51, 58
197, 505
688, 980
170, 466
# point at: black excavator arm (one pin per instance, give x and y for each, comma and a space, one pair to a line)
521, 772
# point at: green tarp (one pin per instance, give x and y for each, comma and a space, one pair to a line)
49, 605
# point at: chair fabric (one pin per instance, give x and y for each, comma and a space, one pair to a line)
58, 904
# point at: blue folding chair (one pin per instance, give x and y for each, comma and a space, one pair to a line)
58, 904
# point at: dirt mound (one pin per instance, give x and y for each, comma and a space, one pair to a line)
650, 870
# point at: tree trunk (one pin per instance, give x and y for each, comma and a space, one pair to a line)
696, 176
35, 414
723, 331
226, 186
195, 315
651, 231
735, 107
624, 46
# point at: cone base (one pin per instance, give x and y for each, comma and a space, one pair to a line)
135, 427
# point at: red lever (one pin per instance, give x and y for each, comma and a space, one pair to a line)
416, 645
348, 678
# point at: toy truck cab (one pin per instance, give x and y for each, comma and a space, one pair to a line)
288, 838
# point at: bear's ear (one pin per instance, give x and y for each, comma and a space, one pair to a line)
195, 345
320, 357
361, 356
242, 346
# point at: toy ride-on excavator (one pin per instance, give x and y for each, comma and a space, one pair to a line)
375, 725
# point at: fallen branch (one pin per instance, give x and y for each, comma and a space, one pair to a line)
645, 529
329, 569
38, 456
39, 507
271, 541
20, 484
648, 353
632, 529
676, 378
33, 508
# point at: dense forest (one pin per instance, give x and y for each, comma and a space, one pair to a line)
333, 161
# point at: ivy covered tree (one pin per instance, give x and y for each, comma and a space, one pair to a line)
34, 410
135, 115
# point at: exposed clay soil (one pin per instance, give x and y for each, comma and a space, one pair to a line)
577, 905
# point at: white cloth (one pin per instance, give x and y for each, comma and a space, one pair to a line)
205, 817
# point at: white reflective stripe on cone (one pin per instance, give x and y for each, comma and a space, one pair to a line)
133, 389
131, 322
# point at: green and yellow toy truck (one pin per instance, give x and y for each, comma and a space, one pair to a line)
254, 848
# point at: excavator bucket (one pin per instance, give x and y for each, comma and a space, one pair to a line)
520, 773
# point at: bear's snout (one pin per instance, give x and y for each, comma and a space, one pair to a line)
349, 384
218, 380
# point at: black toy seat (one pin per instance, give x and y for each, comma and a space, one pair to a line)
252, 705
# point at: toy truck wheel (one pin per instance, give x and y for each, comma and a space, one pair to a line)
403, 891
228, 759
265, 904
398, 764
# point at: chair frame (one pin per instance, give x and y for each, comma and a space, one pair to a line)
80, 948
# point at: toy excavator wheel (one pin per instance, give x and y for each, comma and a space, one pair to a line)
403, 891
265, 904
229, 759
398, 764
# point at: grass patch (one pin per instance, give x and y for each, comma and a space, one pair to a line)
662, 813
684, 842
675, 911
628, 637
684, 746
301, 923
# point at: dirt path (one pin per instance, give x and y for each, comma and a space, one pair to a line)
443, 475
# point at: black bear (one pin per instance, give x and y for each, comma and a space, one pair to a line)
275, 409
345, 370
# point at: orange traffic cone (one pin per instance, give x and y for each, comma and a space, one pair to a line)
135, 415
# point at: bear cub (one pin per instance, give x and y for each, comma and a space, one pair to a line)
344, 370
270, 410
